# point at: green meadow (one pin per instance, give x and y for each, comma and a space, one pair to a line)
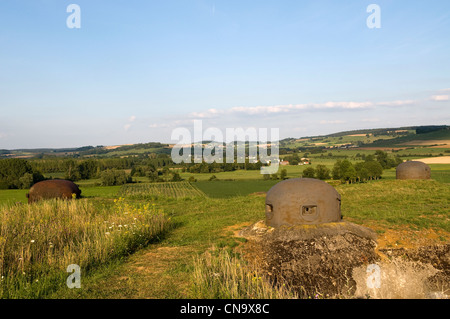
200, 216
177, 239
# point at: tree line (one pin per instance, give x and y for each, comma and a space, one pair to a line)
18, 173
370, 169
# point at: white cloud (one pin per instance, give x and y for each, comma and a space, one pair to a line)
290, 108
332, 122
161, 125
370, 120
131, 119
440, 97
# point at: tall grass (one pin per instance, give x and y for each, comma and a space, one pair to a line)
220, 275
38, 242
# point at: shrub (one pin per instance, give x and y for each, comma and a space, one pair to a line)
176, 177
322, 172
309, 172
113, 177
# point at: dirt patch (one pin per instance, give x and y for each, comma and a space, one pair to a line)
115, 146
405, 237
259, 194
235, 229
435, 160
436, 143
380, 148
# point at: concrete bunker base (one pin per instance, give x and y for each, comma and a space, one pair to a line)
331, 261
413, 170
313, 259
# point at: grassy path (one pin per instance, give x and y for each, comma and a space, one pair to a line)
157, 272
164, 270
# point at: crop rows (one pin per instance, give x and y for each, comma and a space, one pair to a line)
167, 189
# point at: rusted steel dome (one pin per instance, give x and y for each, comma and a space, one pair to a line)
302, 201
56, 188
413, 170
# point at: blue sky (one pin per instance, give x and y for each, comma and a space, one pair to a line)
136, 70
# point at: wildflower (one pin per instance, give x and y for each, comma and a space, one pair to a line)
32, 241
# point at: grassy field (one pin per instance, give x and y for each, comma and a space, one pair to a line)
226, 189
176, 266
171, 255
38, 242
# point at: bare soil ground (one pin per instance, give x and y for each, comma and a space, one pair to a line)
435, 160
438, 143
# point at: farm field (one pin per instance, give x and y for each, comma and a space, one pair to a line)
177, 190
227, 183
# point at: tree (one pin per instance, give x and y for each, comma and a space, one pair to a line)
283, 174
152, 176
17, 173
344, 171
88, 169
72, 170
386, 161
374, 169
322, 172
113, 177
26, 181
349, 175
309, 172
362, 173
176, 177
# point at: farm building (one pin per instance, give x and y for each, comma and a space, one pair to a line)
302, 201
413, 170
